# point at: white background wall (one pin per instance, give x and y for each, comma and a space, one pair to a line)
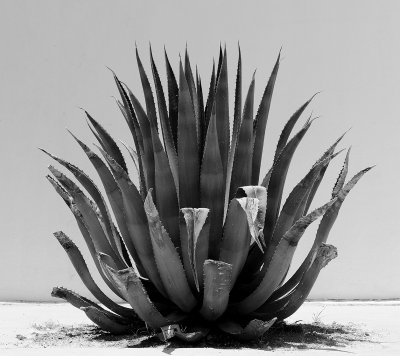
52, 61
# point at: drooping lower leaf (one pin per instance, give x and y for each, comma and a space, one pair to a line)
94, 192
81, 302
90, 217
83, 229
81, 268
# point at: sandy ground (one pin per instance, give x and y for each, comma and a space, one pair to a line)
334, 328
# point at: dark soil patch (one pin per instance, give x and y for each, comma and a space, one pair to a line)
281, 336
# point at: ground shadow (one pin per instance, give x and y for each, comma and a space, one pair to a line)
283, 336
318, 336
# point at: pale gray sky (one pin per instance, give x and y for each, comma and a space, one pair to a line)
53, 58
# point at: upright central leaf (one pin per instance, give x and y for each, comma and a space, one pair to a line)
188, 151
241, 173
222, 112
212, 184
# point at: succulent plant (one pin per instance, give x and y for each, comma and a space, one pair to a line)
200, 240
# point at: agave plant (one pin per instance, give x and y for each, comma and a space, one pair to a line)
200, 239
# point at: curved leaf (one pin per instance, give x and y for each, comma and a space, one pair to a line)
342, 175
325, 254
323, 231
167, 259
294, 201
148, 154
133, 124
165, 177
115, 198
277, 181
289, 304
81, 302
131, 286
81, 268
283, 138
136, 222
274, 193
317, 182
90, 217
260, 123
94, 192
275, 267
73, 298
83, 229
107, 142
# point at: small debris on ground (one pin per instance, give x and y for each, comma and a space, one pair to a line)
297, 335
